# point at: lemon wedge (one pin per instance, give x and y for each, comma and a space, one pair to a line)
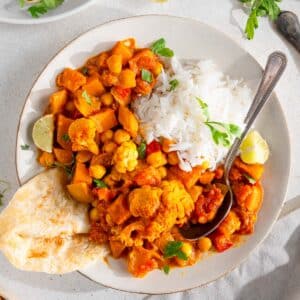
42, 133
254, 149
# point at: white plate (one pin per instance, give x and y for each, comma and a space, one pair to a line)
10, 12
193, 40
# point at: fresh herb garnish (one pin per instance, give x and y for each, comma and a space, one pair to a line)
86, 97
85, 71
66, 137
6, 186
159, 48
42, 7
99, 183
249, 178
146, 75
204, 107
222, 133
69, 169
259, 8
173, 84
22, 3
173, 249
142, 150
25, 147
166, 269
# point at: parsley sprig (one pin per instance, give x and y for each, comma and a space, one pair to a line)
173, 249
259, 8
222, 133
41, 7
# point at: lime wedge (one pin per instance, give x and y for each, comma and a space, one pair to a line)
42, 133
254, 149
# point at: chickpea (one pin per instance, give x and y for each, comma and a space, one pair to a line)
166, 143
157, 69
97, 171
107, 99
204, 244
107, 136
156, 159
173, 158
121, 136
162, 172
110, 147
187, 249
94, 214
205, 165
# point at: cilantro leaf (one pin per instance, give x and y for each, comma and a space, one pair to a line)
99, 183
173, 249
85, 71
249, 178
66, 137
142, 150
158, 45
146, 75
86, 97
204, 107
259, 8
159, 48
173, 84
166, 52
43, 7
166, 269
223, 133
25, 147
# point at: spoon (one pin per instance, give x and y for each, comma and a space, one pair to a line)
275, 66
288, 24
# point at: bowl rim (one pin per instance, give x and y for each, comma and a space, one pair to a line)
46, 19
287, 146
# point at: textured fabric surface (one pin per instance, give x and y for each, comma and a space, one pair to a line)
272, 271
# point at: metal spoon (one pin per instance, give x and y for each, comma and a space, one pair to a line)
275, 66
289, 26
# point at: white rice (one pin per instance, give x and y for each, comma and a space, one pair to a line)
177, 115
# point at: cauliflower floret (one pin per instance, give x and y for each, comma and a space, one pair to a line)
126, 157
143, 202
176, 206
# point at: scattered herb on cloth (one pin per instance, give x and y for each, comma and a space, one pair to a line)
40, 7
259, 8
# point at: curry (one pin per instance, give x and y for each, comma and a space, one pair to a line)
137, 193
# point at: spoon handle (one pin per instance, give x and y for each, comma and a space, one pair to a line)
274, 68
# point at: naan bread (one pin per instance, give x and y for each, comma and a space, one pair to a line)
43, 229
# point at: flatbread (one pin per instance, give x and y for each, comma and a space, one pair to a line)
44, 230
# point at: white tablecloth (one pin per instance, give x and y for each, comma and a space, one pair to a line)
273, 269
